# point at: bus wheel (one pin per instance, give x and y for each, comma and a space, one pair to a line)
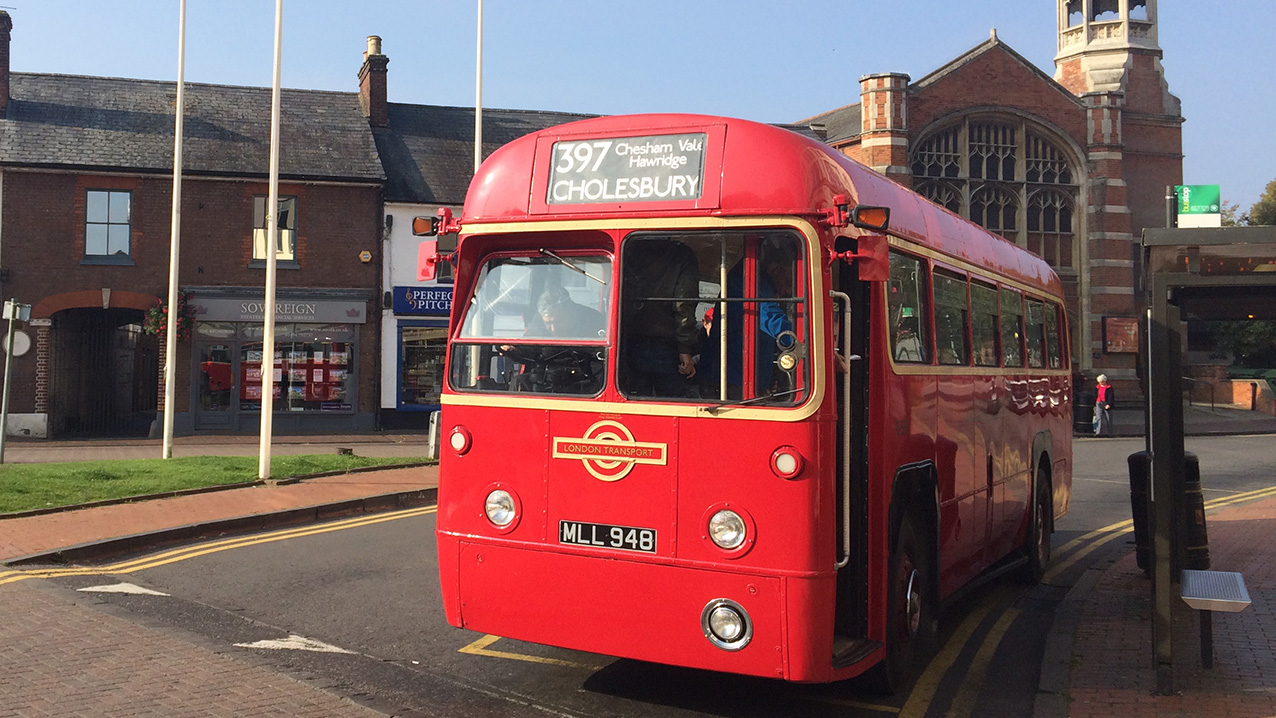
1041, 523
910, 610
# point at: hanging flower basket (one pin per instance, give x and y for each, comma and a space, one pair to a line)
156, 321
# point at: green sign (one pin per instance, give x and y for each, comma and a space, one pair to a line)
1199, 198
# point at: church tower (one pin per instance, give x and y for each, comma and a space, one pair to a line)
1111, 46
1109, 58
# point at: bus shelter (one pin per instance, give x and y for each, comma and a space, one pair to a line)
1220, 273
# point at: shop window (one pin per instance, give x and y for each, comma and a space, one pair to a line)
285, 245
313, 368
906, 303
421, 365
108, 223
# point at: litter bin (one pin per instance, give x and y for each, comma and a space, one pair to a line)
1196, 550
1083, 414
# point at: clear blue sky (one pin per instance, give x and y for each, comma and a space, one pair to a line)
766, 60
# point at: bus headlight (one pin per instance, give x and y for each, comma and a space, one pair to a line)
727, 529
500, 508
726, 624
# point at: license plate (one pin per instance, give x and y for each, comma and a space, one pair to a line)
623, 538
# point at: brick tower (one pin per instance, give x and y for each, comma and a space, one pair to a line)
1108, 57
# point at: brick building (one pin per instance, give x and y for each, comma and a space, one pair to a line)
85, 214
1072, 167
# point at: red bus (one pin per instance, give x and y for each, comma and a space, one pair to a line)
720, 397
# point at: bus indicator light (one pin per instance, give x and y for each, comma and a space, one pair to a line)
786, 462
460, 440
727, 529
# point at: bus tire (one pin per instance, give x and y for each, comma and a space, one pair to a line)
910, 609
1040, 526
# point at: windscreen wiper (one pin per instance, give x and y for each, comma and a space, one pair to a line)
569, 264
745, 402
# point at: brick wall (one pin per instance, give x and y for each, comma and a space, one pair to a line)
44, 245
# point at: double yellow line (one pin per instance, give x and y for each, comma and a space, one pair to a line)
204, 549
963, 704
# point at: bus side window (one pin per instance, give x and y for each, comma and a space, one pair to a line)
908, 313
1054, 348
951, 319
1011, 328
984, 326
1036, 335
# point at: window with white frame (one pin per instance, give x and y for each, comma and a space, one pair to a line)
285, 247
108, 221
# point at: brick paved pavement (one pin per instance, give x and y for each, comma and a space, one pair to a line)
1112, 673
60, 657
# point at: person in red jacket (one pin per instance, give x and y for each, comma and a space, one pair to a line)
1103, 399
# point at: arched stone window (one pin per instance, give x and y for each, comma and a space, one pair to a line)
1007, 175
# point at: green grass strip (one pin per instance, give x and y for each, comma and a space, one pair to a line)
24, 487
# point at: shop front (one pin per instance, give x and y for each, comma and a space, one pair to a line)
316, 363
420, 325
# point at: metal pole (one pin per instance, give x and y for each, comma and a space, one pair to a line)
170, 336
478, 95
12, 306
272, 241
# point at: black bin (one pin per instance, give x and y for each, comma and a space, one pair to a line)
1196, 550
1083, 414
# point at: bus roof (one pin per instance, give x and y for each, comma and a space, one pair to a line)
747, 168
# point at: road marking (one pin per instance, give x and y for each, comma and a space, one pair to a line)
963, 704
923, 693
480, 648
204, 549
130, 588
850, 704
295, 643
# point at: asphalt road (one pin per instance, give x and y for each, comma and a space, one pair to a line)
370, 588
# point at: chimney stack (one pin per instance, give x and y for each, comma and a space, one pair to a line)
372, 89
6, 24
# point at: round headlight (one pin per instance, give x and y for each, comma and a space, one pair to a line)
726, 624
727, 529
499, 508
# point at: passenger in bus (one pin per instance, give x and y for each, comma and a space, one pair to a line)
659, 329
776, 260
908, 345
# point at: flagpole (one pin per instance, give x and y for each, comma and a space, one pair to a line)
174, 255
478, 95
272, 241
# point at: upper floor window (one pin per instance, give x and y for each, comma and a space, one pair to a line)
285, 247
1007, 176
108, 221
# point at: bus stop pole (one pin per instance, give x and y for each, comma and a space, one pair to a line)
1166, 441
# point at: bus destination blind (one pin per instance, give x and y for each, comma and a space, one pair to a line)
655, 168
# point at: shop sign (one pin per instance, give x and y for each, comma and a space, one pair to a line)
423, 300
308, 311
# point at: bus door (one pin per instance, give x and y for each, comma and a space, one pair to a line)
851, 335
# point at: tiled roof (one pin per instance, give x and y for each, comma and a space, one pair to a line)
80, 122
840, 124
428, 150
